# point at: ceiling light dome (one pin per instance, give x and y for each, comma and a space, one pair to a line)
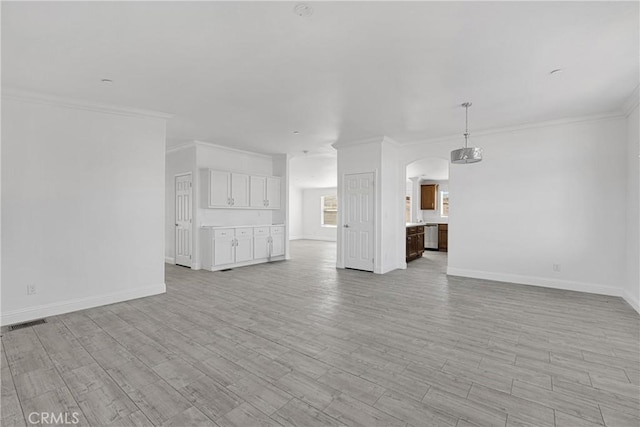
466, 154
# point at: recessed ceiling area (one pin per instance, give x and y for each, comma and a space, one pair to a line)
429, 168
314, 171
245, 74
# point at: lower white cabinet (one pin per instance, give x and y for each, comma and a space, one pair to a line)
239, 246
277, 240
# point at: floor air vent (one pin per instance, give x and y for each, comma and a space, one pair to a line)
27, 324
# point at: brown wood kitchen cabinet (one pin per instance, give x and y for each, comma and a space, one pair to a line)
415, 242
443, 239
429, 197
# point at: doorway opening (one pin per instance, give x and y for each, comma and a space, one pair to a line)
427, 205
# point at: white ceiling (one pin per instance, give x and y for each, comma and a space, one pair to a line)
247, 74
314, 171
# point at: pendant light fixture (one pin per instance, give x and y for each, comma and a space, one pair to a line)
466, 154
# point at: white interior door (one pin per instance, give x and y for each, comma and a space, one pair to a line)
358, 221
183, 220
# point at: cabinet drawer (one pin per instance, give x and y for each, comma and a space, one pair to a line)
261, 231
244, 232
277, 230
226, 232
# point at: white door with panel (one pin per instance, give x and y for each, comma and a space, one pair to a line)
358, 221
183, 231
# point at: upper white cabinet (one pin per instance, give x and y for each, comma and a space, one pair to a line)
222, 189
265, 192
225, 189
258, 191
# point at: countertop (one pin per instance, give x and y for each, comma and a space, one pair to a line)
414, 224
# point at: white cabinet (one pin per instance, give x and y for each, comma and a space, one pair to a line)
261, 242
244, 244
225, 189
258, 191
225, 247
223, 251
265, 192
277, 241
239, 246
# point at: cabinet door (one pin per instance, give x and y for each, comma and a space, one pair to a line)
443, 237
219, 189
223, 249
429, 197
239, 190
277, 245
261, 247
244, 248
257, 191
273, 192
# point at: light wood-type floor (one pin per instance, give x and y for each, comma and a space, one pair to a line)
299, 343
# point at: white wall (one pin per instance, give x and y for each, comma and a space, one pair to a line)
312, 215
177, 162
82, 207
295, 213
543, 195
382, 157
632, 284
392, 248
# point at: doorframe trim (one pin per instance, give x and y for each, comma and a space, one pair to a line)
175, 236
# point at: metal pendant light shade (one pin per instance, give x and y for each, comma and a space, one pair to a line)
467, 154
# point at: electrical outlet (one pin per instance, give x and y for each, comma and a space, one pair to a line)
31, 289
556, 267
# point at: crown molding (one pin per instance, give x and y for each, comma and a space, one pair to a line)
525, 126
179, 147
632, 101
234, 150
79, 104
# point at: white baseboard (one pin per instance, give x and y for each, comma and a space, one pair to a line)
567, 285
632, 302
53, 309
169, 260
295, 237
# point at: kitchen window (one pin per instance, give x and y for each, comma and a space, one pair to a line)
444, 203
329, 217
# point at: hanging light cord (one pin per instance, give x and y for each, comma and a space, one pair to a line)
466, 106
